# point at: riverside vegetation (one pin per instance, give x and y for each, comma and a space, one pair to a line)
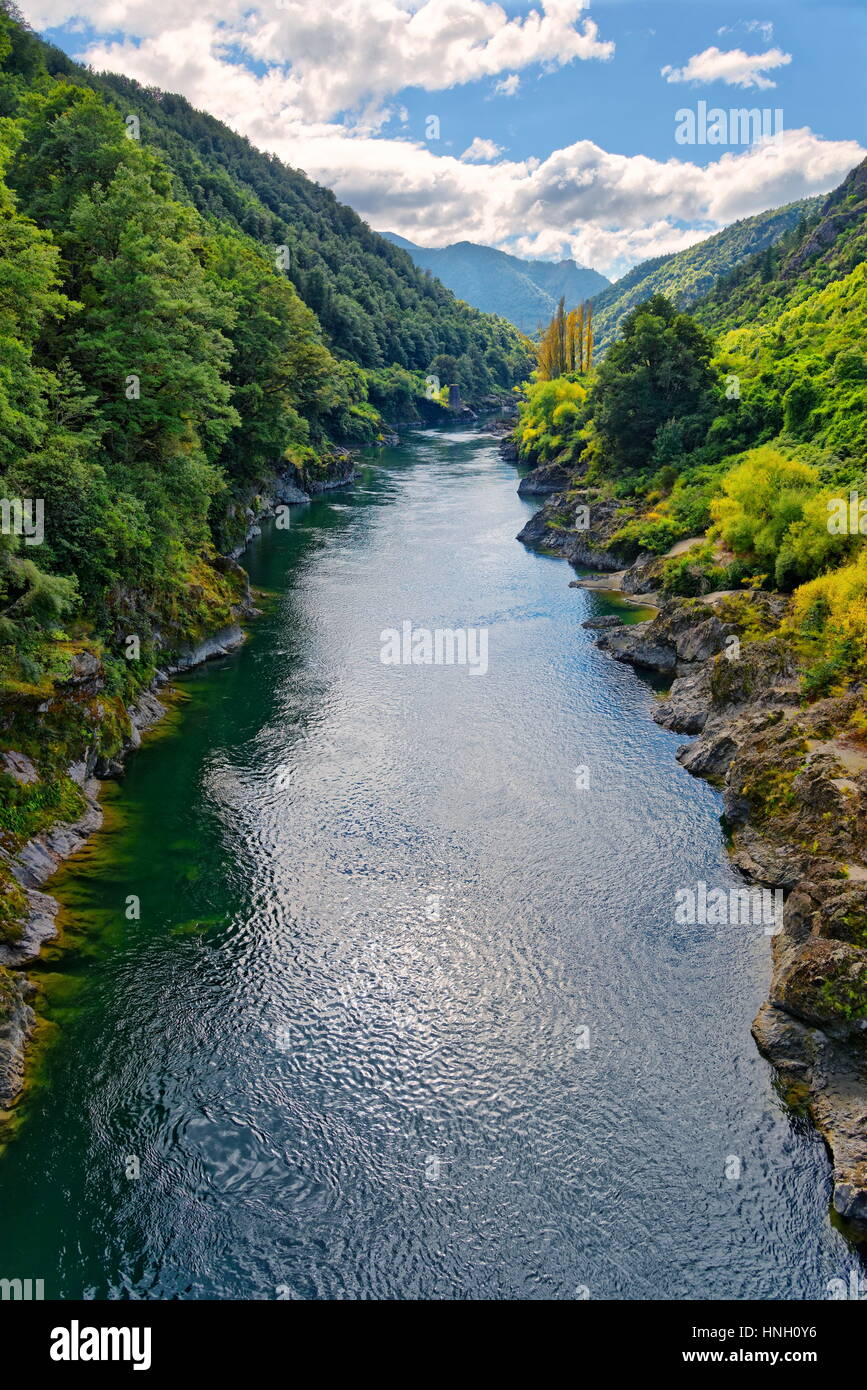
190, 332
716, 459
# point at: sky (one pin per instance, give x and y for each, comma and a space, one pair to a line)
548, 128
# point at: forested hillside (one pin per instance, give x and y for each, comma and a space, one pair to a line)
182, 318
525, 292
810, 255
686, 277
375, 306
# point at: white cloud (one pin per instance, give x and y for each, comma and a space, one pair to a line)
733, 66
508, 86
764, 27
760, 26
335, 57
481, 151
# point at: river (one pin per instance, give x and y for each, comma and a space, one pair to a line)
405, 1012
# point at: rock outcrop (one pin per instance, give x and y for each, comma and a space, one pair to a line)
17, 1021
580, 536
545, 479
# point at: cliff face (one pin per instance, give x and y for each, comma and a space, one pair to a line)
794, 792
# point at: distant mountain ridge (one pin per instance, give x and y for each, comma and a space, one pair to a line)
524, 292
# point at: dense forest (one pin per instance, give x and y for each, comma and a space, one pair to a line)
374, 305
182, 321
753, 436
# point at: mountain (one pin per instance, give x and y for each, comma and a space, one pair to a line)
524, 292
827, 247
687, 276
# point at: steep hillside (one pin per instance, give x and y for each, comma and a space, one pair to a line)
687, 276
807, 258
525, 292
374, 305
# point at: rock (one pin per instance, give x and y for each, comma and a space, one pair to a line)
87, 677
19, 767
220, 644
824, 982
17, 1021
39, 926
42, 855
643, 577
287, 493
843, 911
638, 645
832, 1077
548, 478
553, 529
784, 1040
600, 624
147, 712
685, 710
762, 860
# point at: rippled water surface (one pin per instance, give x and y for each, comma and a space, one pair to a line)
330, 1094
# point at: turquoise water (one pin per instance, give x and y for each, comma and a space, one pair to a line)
405, 1013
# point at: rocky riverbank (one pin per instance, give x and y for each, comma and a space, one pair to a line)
25, 870
35, 862
793, 778
291, 488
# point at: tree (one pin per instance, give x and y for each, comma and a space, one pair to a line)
657, 372
566, 345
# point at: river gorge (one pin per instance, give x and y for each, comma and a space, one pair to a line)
372, 987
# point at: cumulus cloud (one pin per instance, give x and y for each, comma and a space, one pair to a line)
481, 151
508, 86
733, 66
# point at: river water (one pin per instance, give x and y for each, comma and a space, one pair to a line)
406, 1012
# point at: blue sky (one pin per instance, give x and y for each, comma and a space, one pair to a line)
556, 117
